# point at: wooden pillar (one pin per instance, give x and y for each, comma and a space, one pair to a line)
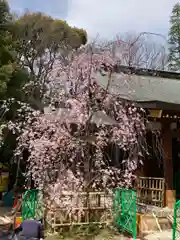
170, 197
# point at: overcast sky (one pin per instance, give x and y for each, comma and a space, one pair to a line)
106, 17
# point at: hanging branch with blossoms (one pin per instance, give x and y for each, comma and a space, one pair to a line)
68, 147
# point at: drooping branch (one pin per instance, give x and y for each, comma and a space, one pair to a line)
74, 138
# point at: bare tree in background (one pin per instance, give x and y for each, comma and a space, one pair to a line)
140, 51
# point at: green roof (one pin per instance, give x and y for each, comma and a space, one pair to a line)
142, 88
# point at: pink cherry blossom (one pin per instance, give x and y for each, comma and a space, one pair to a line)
68, 147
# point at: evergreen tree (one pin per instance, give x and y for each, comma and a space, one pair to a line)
12, 79
174, 39
12, 76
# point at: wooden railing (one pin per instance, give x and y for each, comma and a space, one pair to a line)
93, 207
151, 191
96, 207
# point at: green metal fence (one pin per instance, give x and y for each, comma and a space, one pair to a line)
125, 210
32, 205
176, 224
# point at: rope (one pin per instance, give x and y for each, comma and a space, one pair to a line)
17, 174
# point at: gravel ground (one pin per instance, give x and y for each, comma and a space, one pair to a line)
6, 236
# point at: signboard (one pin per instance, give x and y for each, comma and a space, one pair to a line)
155, 113
4, 180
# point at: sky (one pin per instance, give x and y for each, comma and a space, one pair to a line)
106, 18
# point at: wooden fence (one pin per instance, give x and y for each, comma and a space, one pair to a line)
151, 191
96, 207
93, 207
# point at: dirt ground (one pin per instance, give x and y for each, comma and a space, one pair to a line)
107, 235
103, 235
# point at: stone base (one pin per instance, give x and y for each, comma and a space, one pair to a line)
146, 224
170, 198
165, 235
